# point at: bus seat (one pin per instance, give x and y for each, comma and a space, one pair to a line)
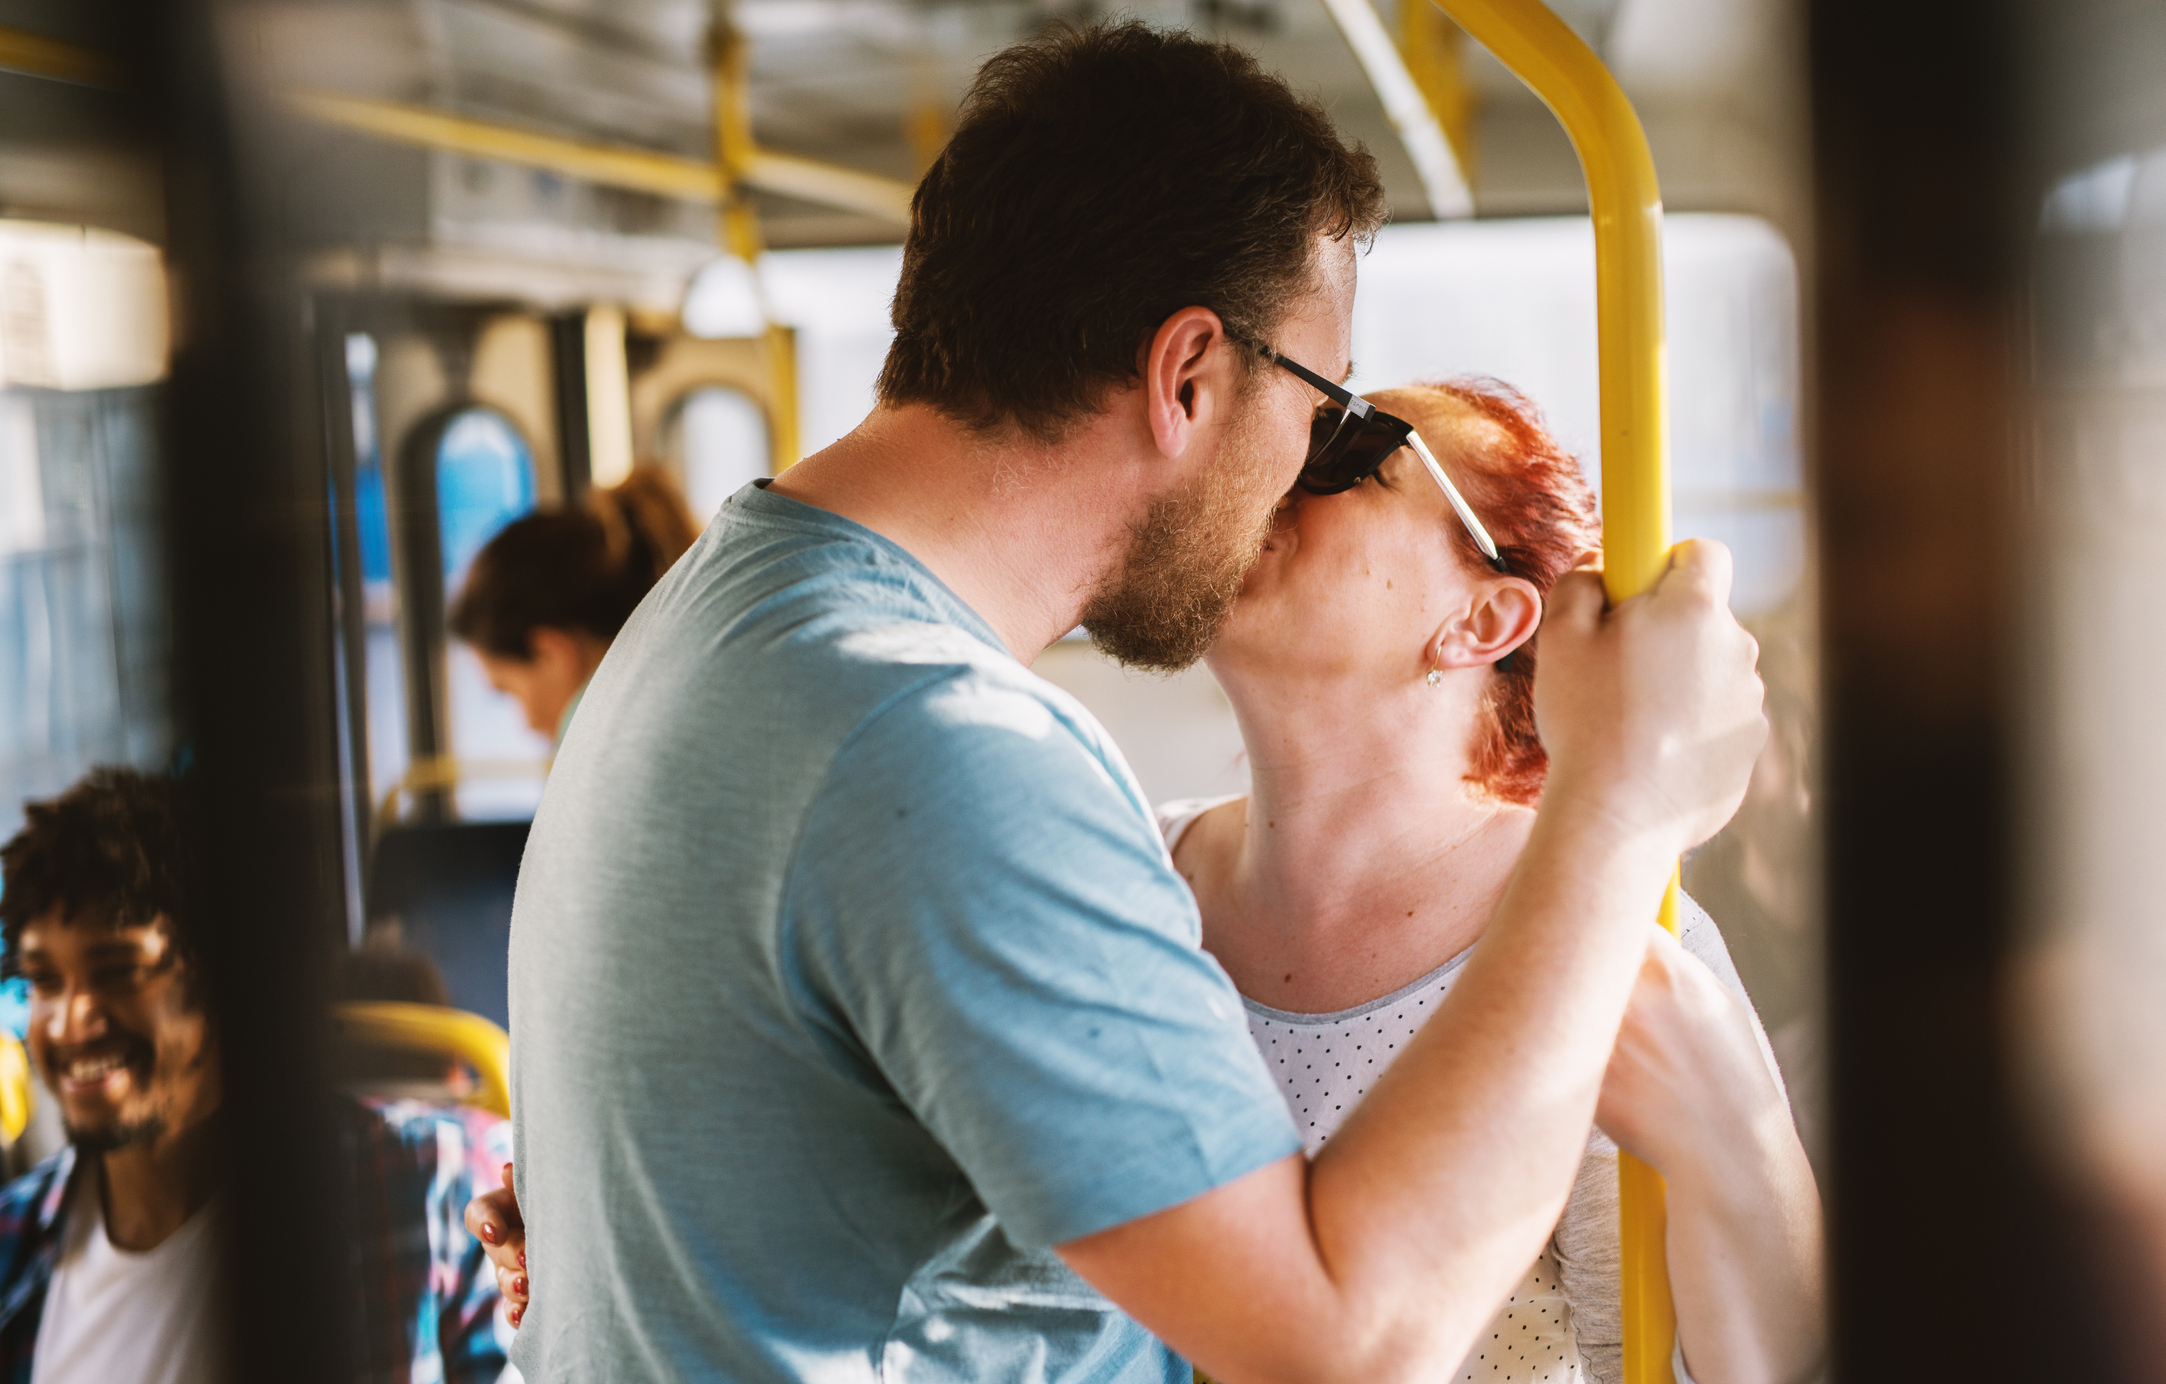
453, 1033
450, 884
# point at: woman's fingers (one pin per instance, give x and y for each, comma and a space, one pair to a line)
493, 1218
1686, 1080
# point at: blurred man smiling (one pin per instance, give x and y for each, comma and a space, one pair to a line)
118, 1031
110, 1250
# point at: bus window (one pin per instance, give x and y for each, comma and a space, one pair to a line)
484, 480
385, 660
84, 635
84, 638
717, 441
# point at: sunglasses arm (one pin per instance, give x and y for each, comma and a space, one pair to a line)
1339, 394
1481, 537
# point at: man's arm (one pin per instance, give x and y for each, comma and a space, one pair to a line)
1388, 1253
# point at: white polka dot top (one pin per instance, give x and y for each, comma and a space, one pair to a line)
1563, 1323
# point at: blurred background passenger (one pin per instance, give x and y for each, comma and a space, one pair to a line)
547, 595
110, 1249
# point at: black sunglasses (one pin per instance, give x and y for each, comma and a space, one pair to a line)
1352, 438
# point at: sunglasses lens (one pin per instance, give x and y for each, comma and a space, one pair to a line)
1343, 453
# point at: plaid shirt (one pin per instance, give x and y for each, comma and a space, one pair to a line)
428, 1309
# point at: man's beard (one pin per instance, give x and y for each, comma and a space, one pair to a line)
1187, 558
118, 1134
141, 1058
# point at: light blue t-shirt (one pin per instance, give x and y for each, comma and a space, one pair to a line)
848, 975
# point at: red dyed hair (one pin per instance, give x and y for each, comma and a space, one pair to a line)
1535, 501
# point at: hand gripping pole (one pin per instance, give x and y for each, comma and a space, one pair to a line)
1626, 204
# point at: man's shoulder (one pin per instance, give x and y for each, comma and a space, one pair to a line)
802, 637
983, 726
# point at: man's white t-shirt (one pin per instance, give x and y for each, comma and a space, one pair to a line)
113, 1314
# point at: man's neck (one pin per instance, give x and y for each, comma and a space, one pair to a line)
1022, 532
151, 1189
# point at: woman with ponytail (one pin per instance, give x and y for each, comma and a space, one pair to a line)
546, 596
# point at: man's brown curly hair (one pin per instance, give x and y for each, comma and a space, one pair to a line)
1101, 179
107, 851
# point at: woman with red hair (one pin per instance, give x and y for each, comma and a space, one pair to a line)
1381, 668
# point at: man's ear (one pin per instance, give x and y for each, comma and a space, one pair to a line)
1188, 378
1503, 614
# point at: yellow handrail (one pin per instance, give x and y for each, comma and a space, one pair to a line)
16, 1092
444, 771
640, 170
1626, 204
735, 153
432, 1028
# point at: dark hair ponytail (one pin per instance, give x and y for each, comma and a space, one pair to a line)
583, 567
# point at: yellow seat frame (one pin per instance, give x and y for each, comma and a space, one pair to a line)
454, 1033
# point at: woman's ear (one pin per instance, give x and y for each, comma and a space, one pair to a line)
1503, 615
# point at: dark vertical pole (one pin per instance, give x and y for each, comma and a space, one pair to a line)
1953, 1257
246, 482
421, 586
568, 343
349, 617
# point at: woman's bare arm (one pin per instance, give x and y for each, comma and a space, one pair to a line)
1689, 1091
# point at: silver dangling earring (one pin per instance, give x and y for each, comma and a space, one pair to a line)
1436, 677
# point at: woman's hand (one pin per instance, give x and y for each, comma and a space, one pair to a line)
1687, 1085
493, 1218
1690, 1092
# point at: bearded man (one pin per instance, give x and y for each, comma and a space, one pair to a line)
860, 1025
111, 1258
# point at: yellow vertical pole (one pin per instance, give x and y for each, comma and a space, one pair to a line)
734, 151
1626, 204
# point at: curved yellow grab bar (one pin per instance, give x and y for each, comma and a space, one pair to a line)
432, 1028
1626, 204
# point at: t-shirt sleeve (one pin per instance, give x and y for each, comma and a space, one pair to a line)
980, 906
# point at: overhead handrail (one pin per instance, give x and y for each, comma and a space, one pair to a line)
1625, 202
453, 1033
638, 170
